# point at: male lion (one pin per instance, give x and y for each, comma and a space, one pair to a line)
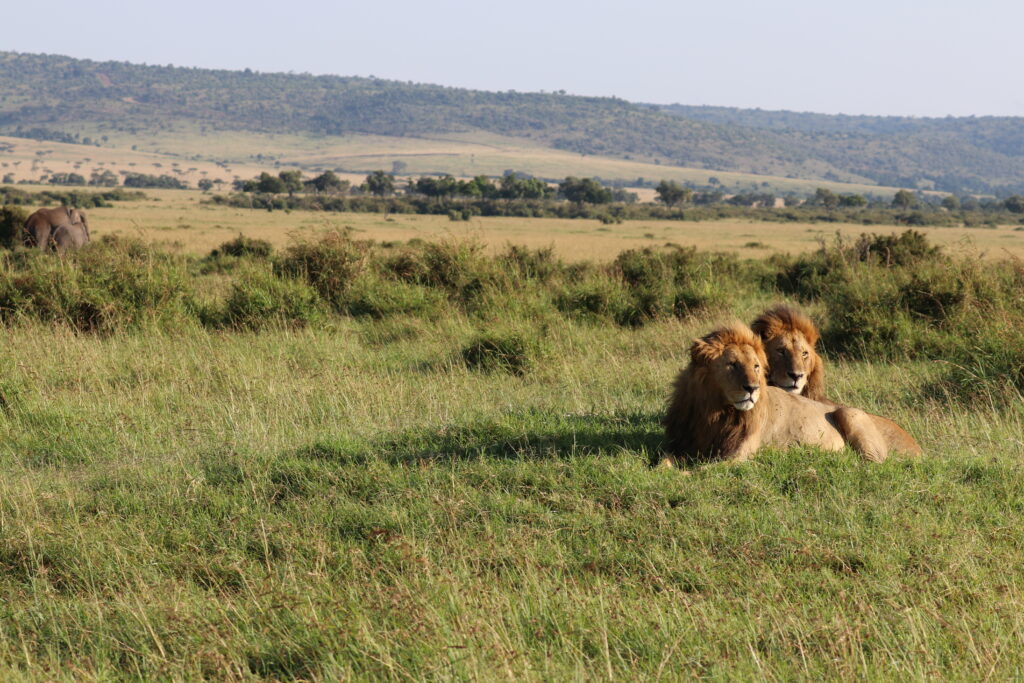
789, 340
722, 407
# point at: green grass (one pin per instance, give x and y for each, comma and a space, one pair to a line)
360, 496
353, 501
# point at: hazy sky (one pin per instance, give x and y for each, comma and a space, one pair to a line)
925, 58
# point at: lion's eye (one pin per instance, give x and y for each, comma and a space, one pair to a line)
806, 354
782, 352
757, 367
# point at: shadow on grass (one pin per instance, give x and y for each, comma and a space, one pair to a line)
533, 435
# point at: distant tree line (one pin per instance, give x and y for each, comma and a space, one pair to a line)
519, 195
83, 200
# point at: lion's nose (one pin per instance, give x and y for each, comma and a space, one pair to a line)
796, 375
751, 388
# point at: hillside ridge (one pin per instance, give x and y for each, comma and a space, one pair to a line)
49, 94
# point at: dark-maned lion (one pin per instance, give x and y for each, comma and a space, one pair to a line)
722, 407
789, 339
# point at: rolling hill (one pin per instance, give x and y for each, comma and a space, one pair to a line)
274, 117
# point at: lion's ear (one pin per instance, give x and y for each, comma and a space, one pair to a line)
812, 335
760, 327
701, 351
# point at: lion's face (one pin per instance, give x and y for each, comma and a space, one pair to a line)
739, 374
790, 359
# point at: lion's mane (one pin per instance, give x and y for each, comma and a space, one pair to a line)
699, 424
782, 319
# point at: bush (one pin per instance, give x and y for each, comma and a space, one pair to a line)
671, 282
258, 300
330, 265
111, 283
377, 297
531, 264
12, 221
513, 353
992, 366
243, 246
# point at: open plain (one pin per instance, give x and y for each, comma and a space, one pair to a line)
182, 221
228, 468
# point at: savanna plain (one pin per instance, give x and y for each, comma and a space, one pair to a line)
349, 447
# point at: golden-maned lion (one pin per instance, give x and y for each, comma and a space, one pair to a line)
722, 407
789, 340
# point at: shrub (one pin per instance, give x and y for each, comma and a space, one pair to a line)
377, 297
12, 220
992, 366
111, 283
258, 300
531, 264
594, 297
243, 246
511, 352
330, 265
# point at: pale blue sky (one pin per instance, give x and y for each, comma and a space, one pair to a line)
869, 57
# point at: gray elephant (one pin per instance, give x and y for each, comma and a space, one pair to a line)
41, 225
69, 236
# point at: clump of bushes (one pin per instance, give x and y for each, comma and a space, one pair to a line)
375, 296
112, 283
511, 352
531, 264
243, 246
12, 219
330, 265
259, 299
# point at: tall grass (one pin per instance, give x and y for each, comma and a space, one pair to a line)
349, 460
353, 499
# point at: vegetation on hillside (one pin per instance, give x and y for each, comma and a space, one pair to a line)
41, 95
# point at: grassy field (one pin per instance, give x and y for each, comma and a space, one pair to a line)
343, 494
178, 219
195, 152
353, 502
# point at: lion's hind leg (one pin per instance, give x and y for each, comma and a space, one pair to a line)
861, 433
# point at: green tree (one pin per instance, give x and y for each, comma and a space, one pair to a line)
328, 181
205, 184
904, 199
269, 184
584, 191
852, 200
826, 197
671, 193
1014, 203
380, 184
480, 186
292, 181
105, 178
516, 187
445, 186
951, 202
